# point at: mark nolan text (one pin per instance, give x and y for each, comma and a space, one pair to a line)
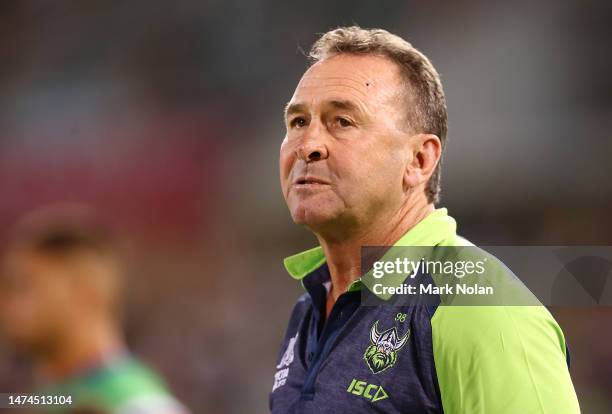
430, 289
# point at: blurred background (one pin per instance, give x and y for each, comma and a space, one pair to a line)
166, 117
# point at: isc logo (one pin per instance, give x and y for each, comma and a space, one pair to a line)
368, 391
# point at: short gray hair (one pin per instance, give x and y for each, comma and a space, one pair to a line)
426, 100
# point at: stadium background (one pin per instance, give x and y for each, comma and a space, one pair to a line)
166, 117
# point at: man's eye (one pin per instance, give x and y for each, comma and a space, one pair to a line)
297, 122
343, 122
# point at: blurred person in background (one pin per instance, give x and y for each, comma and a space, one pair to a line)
359, 166
60, 285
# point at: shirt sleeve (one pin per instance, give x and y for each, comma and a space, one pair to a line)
502, 360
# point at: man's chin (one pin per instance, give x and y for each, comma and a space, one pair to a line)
312, 218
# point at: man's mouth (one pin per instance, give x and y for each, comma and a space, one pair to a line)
309, 181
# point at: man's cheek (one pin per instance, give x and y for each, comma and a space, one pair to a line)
286, 161
285, 178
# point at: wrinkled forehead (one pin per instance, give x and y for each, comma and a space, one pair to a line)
366, 78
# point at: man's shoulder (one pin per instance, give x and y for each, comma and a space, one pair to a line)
301, 308
125, 381
511, 311
491, 326
303, 299
455, 240
302, 305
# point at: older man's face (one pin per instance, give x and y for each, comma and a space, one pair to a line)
343, 158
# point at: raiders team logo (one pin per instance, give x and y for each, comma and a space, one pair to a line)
382, 353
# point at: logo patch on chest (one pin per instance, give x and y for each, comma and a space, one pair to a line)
368, 391
382, 353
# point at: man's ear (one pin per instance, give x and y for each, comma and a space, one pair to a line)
426, 151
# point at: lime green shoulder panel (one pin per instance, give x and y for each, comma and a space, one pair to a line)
502, 360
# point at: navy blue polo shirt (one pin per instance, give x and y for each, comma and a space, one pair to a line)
419, 358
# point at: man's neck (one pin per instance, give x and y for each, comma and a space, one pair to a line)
344, 256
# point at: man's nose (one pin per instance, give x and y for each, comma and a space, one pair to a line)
312, 148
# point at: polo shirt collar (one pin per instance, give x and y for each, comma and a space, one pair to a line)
435, 229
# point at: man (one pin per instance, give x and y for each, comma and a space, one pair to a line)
360, 166
60, 284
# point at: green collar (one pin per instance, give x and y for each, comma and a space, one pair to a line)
438, 228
